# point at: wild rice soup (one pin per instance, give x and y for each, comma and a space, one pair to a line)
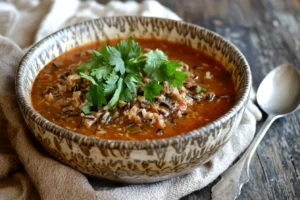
60, 93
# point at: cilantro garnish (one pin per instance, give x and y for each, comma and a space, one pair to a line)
115, 74
167, 72
200, 89
114, 100
86, 108
154, 60
152, 90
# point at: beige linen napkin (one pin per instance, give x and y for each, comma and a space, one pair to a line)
26, 170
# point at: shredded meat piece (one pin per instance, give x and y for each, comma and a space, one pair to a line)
132, 115
184, 67
163, 111
61, 103
121, 104
182, 90
68, 108
115, 115
49, 97
181, 103
144, 112
147, 115
106, 118
146, 80
141, 99
179, 114
190, 83
89, 122
72, 80
158, 121
98, 114
208, 75
61, 88
76, 101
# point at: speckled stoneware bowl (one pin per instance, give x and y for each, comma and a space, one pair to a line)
133, 161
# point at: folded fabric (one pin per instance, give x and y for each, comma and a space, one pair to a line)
26, 170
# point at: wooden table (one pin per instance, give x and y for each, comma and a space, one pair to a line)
268, 34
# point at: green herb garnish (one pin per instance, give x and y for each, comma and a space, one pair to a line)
115, 74
152, 90
200, 89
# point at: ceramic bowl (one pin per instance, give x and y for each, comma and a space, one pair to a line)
133, 161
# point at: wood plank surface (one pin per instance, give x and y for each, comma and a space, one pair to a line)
268, 34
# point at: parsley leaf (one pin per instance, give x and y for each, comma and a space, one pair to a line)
111, 83
86, 66
136, 50
103, 52
102, 72
96, 58
177, 79
126, 95
86, 108
100, 95
131, 81
129, 87
92, 95
167, 72
200, 89
132, 67
96, 55
114, 100
85, 76
159, 74
111, 56
116, 59
152, 90
129, 48
96, 95
153, 60
171, 67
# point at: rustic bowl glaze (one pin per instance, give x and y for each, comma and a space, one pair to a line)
133, 161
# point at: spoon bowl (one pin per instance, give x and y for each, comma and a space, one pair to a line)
279, 92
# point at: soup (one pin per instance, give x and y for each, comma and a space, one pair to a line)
134, 89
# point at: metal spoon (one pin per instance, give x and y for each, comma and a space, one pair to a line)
278, 95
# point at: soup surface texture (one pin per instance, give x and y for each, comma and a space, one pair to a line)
59, 94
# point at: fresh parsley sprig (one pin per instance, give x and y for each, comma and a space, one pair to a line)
114, 74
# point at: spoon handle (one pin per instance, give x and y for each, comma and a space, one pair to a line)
232, 181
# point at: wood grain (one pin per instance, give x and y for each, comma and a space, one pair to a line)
268, 34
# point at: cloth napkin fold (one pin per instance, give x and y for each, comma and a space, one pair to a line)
26, 170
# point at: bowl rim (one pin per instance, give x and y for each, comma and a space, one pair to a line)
127, 144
